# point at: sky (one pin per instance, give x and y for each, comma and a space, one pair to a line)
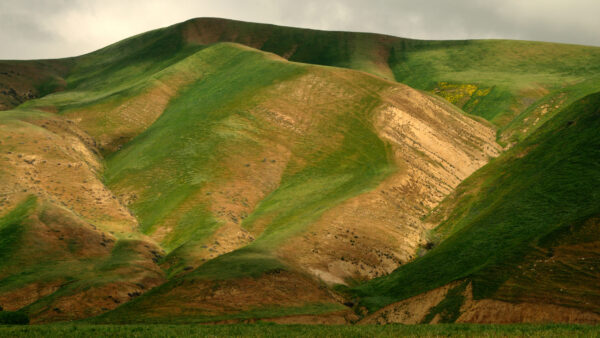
34, 29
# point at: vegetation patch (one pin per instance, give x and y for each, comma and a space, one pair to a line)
457, 94
13, 318
449, 308
12, 228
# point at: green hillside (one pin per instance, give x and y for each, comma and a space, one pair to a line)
227, 144
494, 79
223, 154
222, 170
225, 127
515, 85
541, 194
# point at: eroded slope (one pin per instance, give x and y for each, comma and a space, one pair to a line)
523, 229
290, 167
513, 84
250, 171
236, 163
70, 249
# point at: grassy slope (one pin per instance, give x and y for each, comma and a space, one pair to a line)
103, 75
232, 77
12, 228
361, 51
112, 75
112, 78
171, 174
118, 72
495, 79
499, 80
181, 166
561, 269
547, 182
46, 246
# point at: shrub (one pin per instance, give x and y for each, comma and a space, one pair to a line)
13, 318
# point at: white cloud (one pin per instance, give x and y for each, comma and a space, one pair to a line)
60, 28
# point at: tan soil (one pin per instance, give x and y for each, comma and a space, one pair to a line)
487, 311
76, 223
218, 297
30, 293
59, 239
370, 235
53, 159
121, 121
343, 317
431, 161
88, 303
410, 311
231, 198
484, 311
433, 146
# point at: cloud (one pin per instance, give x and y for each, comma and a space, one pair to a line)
60, 28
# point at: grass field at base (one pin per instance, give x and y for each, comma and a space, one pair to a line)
279, 330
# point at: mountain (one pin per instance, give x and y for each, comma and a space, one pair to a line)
217, 170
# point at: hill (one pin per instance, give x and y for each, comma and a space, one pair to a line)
502, 81
218, 170
495, 79
237, 181
522, 232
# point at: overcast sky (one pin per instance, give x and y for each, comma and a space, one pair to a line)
32, 29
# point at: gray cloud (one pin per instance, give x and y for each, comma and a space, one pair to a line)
59, 28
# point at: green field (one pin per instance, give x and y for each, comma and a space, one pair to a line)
274, 330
